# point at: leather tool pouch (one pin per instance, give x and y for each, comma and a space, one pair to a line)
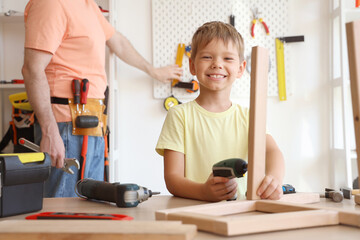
93, 107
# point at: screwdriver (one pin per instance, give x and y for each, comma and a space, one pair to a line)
76, 92
84, 92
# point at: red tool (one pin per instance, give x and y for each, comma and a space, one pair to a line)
256, 14
357, 3
84, 92
83, 100
74, 216
83, 155
17, 81
76, 92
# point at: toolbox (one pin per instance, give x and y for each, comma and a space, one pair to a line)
22, 178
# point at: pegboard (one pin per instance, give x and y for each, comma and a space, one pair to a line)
175, 21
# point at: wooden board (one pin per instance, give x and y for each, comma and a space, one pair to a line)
95, 229
353, 42
302, 198
248, 217
357, 198
257, 121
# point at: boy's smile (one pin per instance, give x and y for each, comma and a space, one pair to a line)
217, 65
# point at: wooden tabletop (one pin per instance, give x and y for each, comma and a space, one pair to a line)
146, 212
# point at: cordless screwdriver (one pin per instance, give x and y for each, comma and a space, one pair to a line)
230, 168
124, 195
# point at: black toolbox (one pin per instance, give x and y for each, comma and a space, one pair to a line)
22, 178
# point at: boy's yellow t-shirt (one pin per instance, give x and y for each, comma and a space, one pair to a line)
206, 138
75, 32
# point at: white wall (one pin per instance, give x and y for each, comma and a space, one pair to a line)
300, 125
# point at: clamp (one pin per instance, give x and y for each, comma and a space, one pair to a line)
68, 162
256, 14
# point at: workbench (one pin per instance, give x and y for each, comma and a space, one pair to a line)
146, 212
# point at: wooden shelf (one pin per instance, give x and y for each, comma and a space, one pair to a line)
15, 18
11, 86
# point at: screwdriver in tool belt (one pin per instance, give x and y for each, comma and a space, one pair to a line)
76, 92
84, 92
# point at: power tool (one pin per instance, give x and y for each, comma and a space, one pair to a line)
124, 195
230, 168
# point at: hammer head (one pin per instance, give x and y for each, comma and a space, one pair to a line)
346, 192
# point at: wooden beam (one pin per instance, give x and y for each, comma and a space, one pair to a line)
353, 43
95, 229
213, 209
357, 198
257, 124
249, 224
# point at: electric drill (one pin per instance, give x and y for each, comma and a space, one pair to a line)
124, 195
230, 168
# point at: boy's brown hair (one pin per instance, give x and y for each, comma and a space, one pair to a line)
216, 30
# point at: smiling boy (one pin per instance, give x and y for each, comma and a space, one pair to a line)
200, 133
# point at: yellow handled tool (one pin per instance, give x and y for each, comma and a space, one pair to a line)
279, 44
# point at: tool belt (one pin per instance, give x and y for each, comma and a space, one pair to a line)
88, 119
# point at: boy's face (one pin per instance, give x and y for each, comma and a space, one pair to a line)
217, 65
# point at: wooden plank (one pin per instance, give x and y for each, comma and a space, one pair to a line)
239, 225
257, 128
302, 198
353, 43
349, 218
213, 209
95, 229
357, 198
271, 206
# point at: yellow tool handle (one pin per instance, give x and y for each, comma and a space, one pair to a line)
27, 157
280, 69
179, 58
180, 54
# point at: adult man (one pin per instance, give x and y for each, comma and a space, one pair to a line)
65, 40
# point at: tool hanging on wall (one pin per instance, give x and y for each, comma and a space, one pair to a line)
357, 3
256, 18
232, 20
280, 62
190, 87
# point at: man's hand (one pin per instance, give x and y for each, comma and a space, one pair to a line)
166, 74
270, 188
52, 144
219, 188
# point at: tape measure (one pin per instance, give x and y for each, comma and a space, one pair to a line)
170, 102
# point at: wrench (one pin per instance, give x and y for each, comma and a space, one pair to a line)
68, 162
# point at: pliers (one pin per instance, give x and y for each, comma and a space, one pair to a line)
256, 14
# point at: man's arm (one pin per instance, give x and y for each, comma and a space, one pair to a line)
38, 92
122, 47
215, 188
271, 186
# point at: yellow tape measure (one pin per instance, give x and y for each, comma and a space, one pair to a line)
280, 69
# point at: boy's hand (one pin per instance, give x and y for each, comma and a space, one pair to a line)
219, 188
270, 188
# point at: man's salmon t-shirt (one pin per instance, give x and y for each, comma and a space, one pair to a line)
75, 33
